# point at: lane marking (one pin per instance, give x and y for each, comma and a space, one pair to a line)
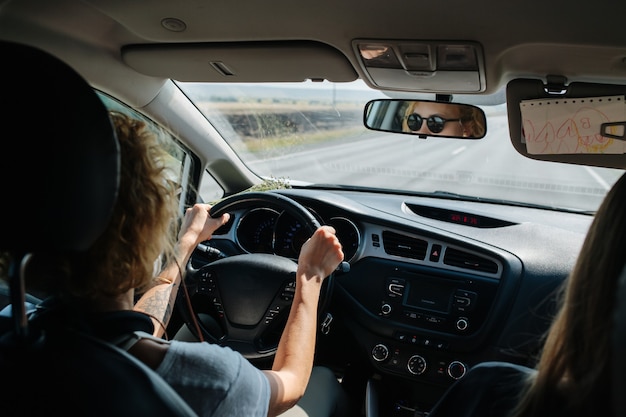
459, 150
598, 178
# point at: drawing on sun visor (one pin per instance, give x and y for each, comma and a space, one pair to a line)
574, 125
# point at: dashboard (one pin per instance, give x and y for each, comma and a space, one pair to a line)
434, 286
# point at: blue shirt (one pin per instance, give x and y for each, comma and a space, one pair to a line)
215, 381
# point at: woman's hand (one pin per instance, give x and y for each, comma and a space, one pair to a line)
198, 225
321, 254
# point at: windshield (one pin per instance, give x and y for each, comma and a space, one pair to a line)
313, 133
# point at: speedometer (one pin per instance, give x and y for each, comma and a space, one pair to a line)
255, 231
290, 236
348, 234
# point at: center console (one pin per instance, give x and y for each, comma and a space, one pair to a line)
421, 321
422, 329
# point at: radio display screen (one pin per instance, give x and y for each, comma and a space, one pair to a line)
429, 297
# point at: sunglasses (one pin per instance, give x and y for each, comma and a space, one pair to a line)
434, 123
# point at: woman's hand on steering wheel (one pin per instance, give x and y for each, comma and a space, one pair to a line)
321, 254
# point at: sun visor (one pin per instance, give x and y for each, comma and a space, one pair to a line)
576, 123
241, 61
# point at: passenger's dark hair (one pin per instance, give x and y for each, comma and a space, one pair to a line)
574, 369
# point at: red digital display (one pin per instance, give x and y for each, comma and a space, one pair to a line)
463, 218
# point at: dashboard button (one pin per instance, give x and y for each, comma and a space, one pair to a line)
435, 253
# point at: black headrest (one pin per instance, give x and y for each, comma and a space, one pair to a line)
59, 174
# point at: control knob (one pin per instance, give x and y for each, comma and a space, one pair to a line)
462, 324
380, 352
416, 365
385, 309
456, 369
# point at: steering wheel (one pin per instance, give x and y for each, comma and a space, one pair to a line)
243, 301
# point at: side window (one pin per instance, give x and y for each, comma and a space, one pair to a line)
210, 191
181, 159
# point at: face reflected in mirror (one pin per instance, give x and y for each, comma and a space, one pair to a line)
426, 118
444, 119
423, 117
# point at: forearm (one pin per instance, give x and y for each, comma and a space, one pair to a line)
294, 357
158, 302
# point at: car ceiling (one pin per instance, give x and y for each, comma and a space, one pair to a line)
529, 39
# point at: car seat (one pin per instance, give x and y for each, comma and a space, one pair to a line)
59, 177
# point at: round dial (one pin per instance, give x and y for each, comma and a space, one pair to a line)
255, 231
416, 365
380, 352
456, 369
290, 235
348, 235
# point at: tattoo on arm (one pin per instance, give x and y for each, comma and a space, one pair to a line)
159, 302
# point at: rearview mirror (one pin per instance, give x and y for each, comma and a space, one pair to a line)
426, 118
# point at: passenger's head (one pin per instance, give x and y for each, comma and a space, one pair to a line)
575, 361
141, 230
446, 119
589, 295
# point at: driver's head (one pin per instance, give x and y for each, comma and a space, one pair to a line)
144, 221
142, 230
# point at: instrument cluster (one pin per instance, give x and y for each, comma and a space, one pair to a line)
265, 230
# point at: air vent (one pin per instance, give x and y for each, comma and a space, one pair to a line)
405, 246
466, 260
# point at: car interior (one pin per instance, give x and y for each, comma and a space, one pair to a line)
454, 250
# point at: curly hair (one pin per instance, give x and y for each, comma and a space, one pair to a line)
473, 121
143, 226
141, 234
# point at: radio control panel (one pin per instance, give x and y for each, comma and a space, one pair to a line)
433, 303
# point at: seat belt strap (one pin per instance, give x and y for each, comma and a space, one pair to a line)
128, 341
